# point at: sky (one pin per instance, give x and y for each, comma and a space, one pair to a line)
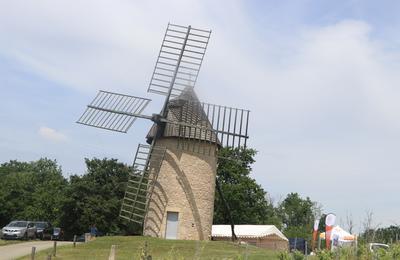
320, 78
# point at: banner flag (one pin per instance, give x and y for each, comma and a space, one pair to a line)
329, 223
315, 234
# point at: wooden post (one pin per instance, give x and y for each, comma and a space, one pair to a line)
55, 248
356, 242
305, 247
74, 240
112, 253
33, 253
49, 256
319, 243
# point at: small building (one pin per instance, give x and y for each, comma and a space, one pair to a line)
265, 236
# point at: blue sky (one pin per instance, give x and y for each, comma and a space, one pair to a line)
320, 77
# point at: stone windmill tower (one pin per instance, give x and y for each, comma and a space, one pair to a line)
171, 191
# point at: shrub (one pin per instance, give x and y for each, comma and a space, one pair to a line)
394, 251
324, 255
284, 255
297, 255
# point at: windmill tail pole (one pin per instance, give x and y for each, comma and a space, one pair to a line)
227, 210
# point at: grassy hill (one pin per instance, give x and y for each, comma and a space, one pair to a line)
131, 248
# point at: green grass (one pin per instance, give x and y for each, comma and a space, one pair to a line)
131, 248
8, 242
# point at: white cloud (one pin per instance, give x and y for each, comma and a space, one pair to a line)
51, 134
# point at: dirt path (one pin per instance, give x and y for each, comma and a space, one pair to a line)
15, 251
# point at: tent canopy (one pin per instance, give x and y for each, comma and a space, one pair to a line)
247, 231
340, 233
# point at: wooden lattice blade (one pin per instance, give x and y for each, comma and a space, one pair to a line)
113, 111
225, 126
141, 182
179, 61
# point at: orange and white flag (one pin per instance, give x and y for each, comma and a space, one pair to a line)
315, 233
329, 222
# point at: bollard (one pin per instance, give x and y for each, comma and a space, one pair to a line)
55, 248
74, 240
112, 253
33, 253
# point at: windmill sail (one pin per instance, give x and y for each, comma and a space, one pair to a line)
141, 182
179, 61
112, 111
226, 126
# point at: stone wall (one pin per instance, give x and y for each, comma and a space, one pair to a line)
185, 184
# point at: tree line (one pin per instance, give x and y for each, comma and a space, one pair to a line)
39, 191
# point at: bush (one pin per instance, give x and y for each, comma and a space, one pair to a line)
345, 253
363, 252
297, 255
325, 255
284, 255
394, 251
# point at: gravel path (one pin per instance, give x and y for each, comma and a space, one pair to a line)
15, 251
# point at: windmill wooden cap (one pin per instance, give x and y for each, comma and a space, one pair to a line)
187, 109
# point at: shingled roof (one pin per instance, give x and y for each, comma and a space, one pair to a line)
187, 109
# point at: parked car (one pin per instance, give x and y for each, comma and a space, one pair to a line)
52, 233
40, 227
58, 233
19, 229
373, 247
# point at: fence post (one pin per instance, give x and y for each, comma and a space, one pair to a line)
319, 243
33, 253
305, 247
55, 248
74, 240
112, 253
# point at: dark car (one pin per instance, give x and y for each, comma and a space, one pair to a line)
40, 227
53, 233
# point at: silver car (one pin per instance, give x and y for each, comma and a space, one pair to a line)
19, 230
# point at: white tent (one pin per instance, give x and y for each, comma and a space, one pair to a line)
267, 236
248, 231
340, 234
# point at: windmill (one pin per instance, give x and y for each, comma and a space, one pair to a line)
171, 191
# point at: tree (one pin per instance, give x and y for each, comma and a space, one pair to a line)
33, 191
298, 215
349, 222
369, 231
247, 200
387, 234
96, 197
